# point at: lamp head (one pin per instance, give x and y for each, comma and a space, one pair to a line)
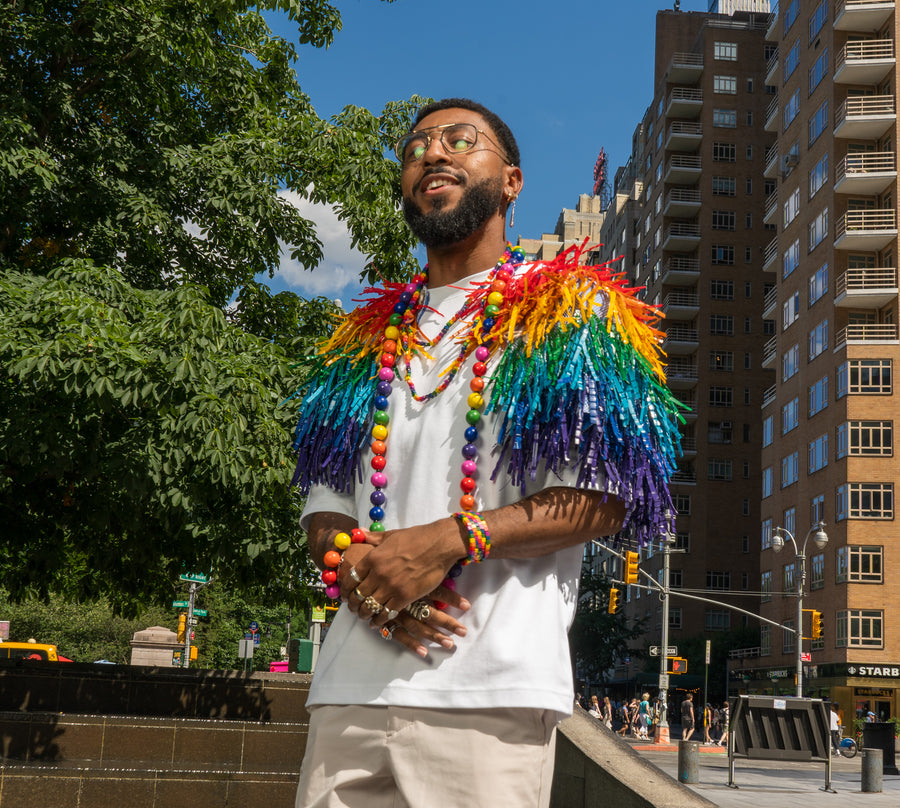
820, 537
777, 540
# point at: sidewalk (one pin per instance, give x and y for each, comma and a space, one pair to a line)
773, 784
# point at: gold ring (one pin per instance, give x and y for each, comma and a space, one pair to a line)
359, 594
420, 610
373, 605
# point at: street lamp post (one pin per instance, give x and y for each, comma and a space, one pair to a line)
820, 537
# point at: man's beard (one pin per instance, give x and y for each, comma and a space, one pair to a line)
441, 228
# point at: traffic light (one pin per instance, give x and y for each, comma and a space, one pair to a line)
613, 601
631, 567
816, 625
182, 626
677, 664
193, 656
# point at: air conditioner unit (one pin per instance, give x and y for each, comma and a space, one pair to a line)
725, 425
788, 161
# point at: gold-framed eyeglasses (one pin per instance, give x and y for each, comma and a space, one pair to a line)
456, 138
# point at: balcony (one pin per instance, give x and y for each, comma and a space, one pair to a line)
772, 162
685, 68
862, 15
684, 476
866, 117
772, 69
688, 447
684, 102
682, 202
772, 32
681, 374
681, 270
772, 116
681, 305
681, 236
769, 255
867, 230
866, 288
680, 341
684, 136
866, 334
687, 405
865, 61
866, 173
770, 302
770, 351
683, 169
769, 395
771, 207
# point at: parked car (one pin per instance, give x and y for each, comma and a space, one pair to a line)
31, 650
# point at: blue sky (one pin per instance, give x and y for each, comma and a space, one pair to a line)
569, 77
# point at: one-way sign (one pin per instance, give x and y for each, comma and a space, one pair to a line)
672, 650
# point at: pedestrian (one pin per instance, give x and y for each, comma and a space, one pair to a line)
644, 716
451, 635
625, 717
687, 717
607, 712
707, 721
835, 727
595, 707
723, 740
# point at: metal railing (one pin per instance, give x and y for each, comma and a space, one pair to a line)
772, 109
684, 161
690, 195
680, 333
770, 299
865, 220
771, 204
860, 50
688, 59
857, 163
772, 64
866, 332
866, 280
771, 154
681, 370
683, 230
769, 395
679, 263
769, 350
681, 299
685, 94
864, 106
685, 128
771, 252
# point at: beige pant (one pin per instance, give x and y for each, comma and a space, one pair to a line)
411, 757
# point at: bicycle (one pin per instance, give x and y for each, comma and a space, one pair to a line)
848, 748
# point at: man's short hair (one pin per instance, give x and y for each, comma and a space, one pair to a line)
501, 130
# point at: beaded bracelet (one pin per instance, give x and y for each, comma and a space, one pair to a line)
479, 535
333, 560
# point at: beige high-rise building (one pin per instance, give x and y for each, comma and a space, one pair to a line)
827, 421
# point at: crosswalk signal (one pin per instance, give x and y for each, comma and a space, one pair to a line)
677, 664
182, 626
816, 625
613, 601
631, 567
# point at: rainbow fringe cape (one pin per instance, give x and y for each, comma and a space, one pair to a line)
569, 385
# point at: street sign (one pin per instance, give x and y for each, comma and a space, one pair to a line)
194, 621
318, 614
671, 650
195, 577
805, 656
201, 613
245, 649
664, 681
180, 604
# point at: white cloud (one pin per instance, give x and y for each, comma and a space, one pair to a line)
341, 265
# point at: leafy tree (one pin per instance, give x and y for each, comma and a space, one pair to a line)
143, 149
597, 639
694, 650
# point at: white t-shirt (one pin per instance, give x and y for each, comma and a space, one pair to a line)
515, 653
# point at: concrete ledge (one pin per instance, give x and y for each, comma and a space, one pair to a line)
594, 767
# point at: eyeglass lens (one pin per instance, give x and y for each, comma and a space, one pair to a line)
456, 138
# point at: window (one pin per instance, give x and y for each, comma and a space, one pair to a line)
674, 618
790, 362
871, 438
721, 360
860, 628
682, 504
787, 637
818, 176
791, 60
787, 579
791, 259
718, 469
725, 51
790, 14
817, 19
683, 541
724, 152
718, 580
765, 586
818, 283
767, 482
818, 339
721, 325
790, 469
723, 186
676, 579
725, 118
869, 376
818, 122
765, 641
817, 576
790, 415
789, 520
817, 509
868, 500
790, 310
792, 207
722, 254
791, 108
768, 430
718, 620
766, 534
818, 396
862, 565
725, 84
721, 290
818, 70
721, 396
723, 220
818, 454
818, 229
